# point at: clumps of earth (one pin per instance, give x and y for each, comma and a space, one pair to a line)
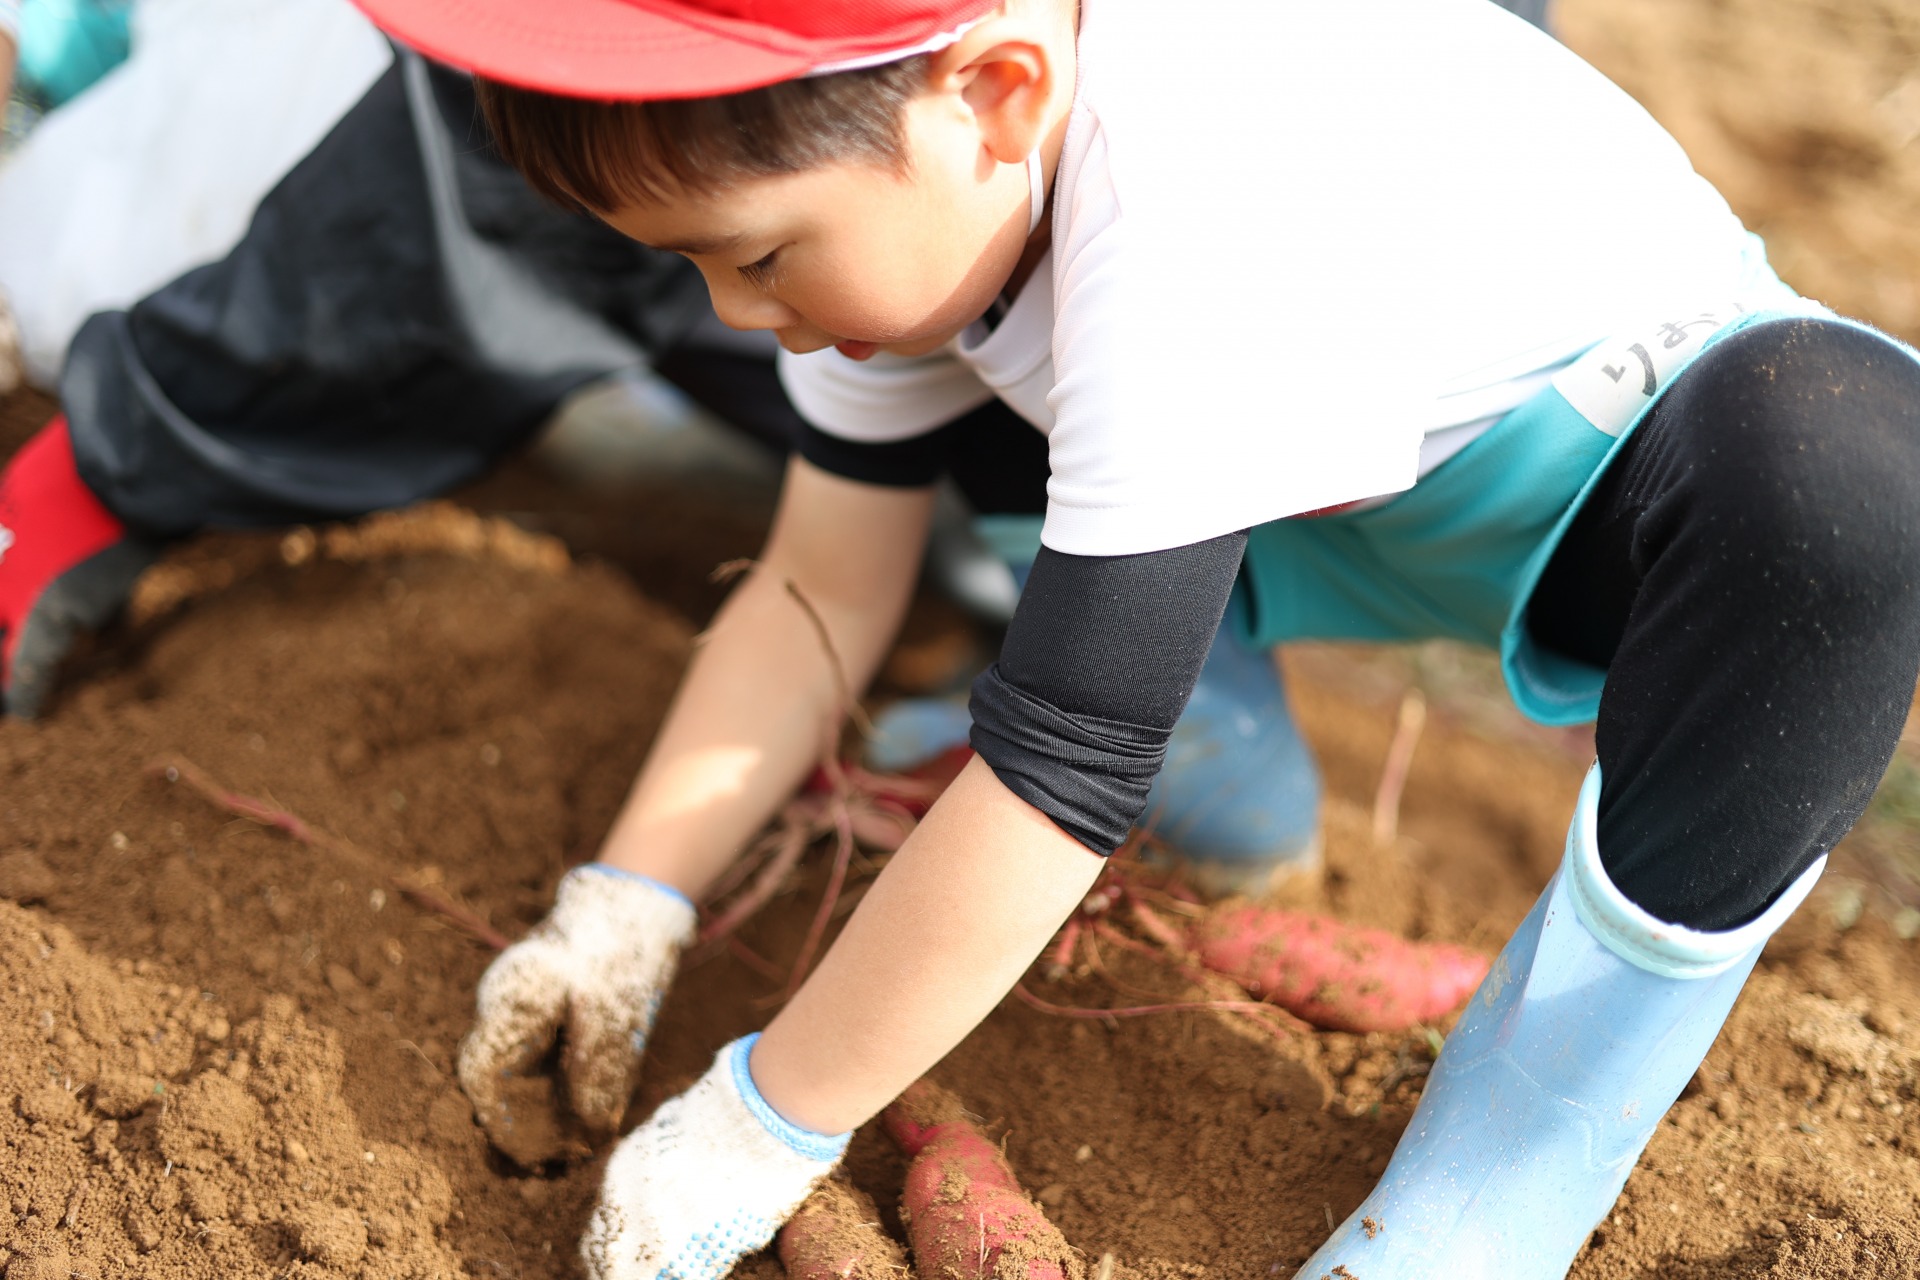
149, 1136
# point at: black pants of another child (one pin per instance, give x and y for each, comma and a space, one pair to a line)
1748, 573
401, 313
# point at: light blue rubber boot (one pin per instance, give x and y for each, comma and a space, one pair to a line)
1239, 795
1591, 1022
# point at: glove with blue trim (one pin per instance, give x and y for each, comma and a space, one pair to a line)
596, 969
705, 1182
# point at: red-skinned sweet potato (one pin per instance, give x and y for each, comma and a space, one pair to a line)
837, 1236
1334, 975
967, 1217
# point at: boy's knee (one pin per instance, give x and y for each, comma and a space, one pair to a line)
1800, 446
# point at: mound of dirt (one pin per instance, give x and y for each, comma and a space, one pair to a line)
151, 1137
274, 1085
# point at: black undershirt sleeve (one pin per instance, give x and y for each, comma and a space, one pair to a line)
912, 463
1097, 666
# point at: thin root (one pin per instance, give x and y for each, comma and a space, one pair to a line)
836, 883
794, 834
1393, 776
1250, 1007
198, 780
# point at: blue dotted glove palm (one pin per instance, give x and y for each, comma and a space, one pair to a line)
705, 1182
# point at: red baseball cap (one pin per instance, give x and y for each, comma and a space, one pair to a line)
637, 49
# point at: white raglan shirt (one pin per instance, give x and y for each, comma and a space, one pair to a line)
1303, 251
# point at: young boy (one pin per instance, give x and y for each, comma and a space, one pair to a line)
1250, 268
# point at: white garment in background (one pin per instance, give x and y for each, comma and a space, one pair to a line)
157, 168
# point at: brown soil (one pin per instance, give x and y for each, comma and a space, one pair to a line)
1805, 113
230, 1055
223, 1053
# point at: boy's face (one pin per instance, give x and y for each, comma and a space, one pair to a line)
868, 258
856, 256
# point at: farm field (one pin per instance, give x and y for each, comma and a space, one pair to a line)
228, 1052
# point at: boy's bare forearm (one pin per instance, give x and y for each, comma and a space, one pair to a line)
945, 932
754, 713
761, 700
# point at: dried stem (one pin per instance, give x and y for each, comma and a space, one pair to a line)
1060, 959
1199, 977
849, 705
198, 780
1140, 1011
836, 882
755, 961
1098, 964
791, 841
852, 801
1393, 777
1153, 926
743, 866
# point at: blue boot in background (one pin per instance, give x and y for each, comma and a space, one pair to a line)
1239, 795
981, 563
1591, 1022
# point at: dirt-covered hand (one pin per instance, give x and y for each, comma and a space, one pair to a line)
595, 969
66, 566
704, 1182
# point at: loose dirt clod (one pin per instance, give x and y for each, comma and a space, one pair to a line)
141, 1138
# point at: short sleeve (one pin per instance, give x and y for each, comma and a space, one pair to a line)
1391, 204
884, 399
1189, 399
912, 463
10, 20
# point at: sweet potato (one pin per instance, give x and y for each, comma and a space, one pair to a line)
1334, 975
837, 1236
966, 1215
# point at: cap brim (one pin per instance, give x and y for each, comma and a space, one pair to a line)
581, 48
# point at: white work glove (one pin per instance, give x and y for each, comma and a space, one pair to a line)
597, 968
705, 1182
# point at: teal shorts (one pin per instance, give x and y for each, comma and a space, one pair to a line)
66, 45
1457, 555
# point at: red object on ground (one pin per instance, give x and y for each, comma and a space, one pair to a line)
966, 1213
837, 1236
636, 49
1333, 975
49, 523
912, 792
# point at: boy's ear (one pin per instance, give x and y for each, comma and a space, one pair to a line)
1004, 72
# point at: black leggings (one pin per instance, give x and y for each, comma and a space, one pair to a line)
1748, 572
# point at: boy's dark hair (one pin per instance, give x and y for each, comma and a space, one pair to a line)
602, 155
